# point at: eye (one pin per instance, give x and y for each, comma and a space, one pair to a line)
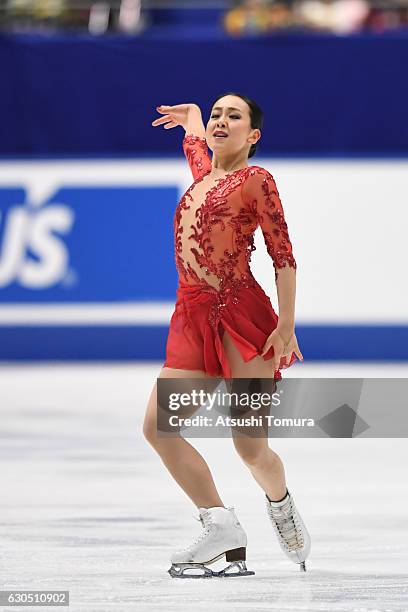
233, 116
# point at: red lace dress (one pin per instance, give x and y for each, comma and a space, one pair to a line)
214, 238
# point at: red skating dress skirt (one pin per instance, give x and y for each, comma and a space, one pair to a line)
214, 237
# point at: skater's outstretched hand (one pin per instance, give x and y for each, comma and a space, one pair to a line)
281, 349
186, 115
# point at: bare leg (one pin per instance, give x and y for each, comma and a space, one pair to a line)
264, 464
184, 462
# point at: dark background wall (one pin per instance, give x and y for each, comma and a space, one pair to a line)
322, 95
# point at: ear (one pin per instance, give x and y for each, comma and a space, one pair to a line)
255, 136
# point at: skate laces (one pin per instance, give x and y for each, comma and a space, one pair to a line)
208, 514
286, 520
205, 519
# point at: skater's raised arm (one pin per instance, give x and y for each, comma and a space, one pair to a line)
194, 144
195, 125
197, 154
186, 115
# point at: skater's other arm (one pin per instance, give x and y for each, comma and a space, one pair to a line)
260, 195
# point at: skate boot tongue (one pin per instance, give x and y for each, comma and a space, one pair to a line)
204, 515
216, 514
280, 503
214, 511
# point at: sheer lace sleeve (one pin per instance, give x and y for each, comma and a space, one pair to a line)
197, 154
261, 196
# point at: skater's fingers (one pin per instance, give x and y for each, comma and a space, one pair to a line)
277, 359
164, 109
170, 125
174, 111
160, 120
297, 351
169, 109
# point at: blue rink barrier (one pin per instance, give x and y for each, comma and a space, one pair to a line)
88, 244
87, 271
147, 343
322, 94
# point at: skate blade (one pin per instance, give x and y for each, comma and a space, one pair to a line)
303, 566
182, 571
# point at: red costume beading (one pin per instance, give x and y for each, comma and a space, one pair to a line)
214, 238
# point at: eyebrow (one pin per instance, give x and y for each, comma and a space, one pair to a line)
229, 108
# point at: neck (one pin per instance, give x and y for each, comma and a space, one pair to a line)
222, 165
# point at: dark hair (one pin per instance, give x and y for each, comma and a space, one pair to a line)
255, 113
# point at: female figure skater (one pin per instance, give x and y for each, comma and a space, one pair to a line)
223, 324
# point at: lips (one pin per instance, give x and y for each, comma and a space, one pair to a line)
220, 134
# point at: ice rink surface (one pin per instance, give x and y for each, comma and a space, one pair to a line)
88, 507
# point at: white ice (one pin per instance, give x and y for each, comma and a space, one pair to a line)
87, 506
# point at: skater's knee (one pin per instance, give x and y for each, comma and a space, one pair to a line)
252, 451
150, 430
151, 433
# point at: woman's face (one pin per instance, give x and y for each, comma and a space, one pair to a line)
230, 115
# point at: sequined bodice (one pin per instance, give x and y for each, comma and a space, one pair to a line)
215, 221
214, 235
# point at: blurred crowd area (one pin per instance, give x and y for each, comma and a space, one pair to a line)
337, 16
229, 17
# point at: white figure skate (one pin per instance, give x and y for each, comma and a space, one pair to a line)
291, 531
222, 535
